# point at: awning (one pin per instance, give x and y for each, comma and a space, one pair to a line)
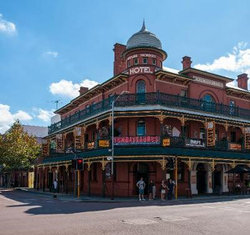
239, 169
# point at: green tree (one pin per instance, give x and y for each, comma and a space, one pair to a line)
18, 150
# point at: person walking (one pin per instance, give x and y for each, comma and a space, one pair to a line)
170, 189
151, 190
141, 186
163, 189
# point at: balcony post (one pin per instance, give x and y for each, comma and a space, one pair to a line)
182, 126
103, 177
89, 178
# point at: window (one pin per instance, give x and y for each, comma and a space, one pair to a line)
140, 90
140, 86
202, 133
208, 103
154, 61
232, 107
128, 63
183, 93
135, 61
141, 128
145, 60
233, 136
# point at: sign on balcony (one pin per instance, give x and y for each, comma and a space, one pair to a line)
59, 142
104, 143
199, 143
233, 146
166, 142
137, 140
247, 137
45, 148
210, 134
91, 145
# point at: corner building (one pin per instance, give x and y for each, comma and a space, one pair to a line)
190, 125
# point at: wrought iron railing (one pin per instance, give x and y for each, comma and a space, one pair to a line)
153, 98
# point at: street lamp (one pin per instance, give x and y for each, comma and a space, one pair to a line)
112, 141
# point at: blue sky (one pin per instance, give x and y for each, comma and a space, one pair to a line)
48, 48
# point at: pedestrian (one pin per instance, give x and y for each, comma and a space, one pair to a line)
170, 189
154, 191
141, 186
151, 189
163, 189
55, 184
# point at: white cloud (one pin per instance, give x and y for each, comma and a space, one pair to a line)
51, 53
237, 61
45, 115
7, 118
69, 89
7, 26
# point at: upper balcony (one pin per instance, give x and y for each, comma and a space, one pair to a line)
153, 99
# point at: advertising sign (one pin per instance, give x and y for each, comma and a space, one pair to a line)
104, 143
210, 134
143, 140
234, 146
247, 137
166, 142
199, 143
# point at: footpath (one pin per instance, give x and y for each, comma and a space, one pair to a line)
96, 199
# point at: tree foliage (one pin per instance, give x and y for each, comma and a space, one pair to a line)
18, 150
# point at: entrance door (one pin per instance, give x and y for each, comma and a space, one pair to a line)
141, 170
217, 179
201, 179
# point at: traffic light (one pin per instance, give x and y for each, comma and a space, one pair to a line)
77, 164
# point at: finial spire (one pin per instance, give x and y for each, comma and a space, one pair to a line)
143, 28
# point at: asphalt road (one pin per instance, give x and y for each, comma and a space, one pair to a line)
27, 213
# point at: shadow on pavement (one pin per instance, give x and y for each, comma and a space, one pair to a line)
44, 204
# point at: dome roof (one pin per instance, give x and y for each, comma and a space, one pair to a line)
143, 38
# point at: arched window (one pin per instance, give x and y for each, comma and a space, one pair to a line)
141, 128
208, 98
140, 90
140, 87
208, 103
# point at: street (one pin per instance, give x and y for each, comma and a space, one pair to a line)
29, 213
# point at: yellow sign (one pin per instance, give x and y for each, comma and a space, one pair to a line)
166, 142
104, 143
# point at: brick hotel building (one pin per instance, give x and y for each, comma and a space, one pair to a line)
190, 125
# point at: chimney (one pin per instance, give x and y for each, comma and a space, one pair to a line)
83, 90
186, 62
119, 62
242, 81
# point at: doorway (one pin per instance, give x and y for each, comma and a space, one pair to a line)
217, 179
141, 170
201, 178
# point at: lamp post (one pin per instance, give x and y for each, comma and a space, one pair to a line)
112, 141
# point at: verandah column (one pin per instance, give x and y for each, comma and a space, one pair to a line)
103, 177
89, 178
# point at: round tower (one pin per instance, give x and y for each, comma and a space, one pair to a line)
143, 57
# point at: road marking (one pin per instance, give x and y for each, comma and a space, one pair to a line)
139, 221
172, 218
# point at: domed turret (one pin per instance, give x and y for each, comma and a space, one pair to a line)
143, 38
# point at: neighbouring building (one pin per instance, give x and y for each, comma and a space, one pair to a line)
25, 178
190, 125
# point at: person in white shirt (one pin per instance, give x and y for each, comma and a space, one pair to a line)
141, 186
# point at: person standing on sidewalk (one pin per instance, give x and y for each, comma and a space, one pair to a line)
55, 184
170, 189
150, 189
163, 189
141, 186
